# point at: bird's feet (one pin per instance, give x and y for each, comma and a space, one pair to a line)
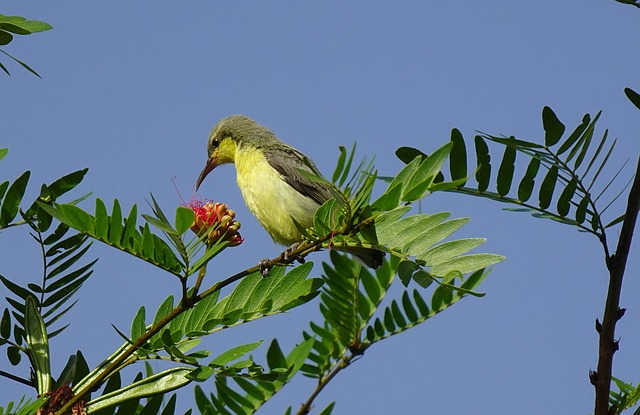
264, 267
286, 254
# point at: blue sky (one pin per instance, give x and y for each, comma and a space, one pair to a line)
131, 90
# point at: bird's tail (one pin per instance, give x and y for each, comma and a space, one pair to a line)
371, 257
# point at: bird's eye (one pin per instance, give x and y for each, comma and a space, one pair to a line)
215, 142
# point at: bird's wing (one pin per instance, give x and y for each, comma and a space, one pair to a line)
288, 162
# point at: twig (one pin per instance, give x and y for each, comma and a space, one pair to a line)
302, 250
616, 264
16, 378
306, 407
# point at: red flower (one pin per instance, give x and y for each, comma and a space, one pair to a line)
217, 220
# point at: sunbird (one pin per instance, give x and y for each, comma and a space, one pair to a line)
270, 178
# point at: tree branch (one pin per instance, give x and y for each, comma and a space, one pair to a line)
16, 378
306, 407
300, 252
616, 264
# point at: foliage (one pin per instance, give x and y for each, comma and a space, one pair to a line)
562, 182
16, 25
626, 397
357, 305
559, 180
351, 299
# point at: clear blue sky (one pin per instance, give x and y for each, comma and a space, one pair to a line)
131, 90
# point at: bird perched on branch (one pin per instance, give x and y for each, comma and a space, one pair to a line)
269, 175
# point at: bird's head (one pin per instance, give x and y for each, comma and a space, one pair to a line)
224, 140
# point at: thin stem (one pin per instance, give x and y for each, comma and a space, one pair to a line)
602, 236
16, 378
306, 407
201, 274
44, 268
616, 264
302, 250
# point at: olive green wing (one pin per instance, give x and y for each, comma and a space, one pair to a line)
290, 163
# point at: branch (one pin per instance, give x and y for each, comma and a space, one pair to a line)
306, 407
16, 378
300, 252
612, 311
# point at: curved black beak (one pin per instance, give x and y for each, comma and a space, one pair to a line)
212, 163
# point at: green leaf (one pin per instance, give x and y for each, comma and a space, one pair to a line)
77, 218
327, 217
506, 170
138, 326
389, 199
525, 189
633, 96
12, 199
275, 357
162, 382
426, 173
617, 220
14, 356
583, 144
37, 346
115, 224
467, 263
347, 167
581, 211
5, 324
5, 39
129, 230
68, 372
408, 154
298, 355
564, 201
514, 143
66, 183
398, 317
329, 409
15, 288
596, 153
575, 135
165, 227
184, 219
339, 167
547, 187
3, 152
483, 160
553, 128
409, 309
458, 158
448, 250
235, 353
24, 65
164, 309
442, 297
24, 26
101, 220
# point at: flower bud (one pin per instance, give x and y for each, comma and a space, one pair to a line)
216, 221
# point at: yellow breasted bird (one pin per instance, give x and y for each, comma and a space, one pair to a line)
269, 177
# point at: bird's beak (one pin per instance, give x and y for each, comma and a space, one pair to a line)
212, 163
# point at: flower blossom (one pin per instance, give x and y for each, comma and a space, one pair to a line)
216, 220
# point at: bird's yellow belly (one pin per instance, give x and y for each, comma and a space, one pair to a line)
271, 200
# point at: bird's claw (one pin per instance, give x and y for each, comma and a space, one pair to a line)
286, 254
264, 267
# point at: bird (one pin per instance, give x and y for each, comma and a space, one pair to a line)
270, 176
